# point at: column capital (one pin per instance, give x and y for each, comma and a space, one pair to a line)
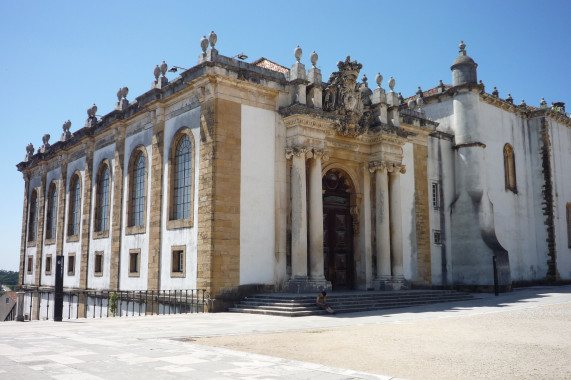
397, 168
377, 165
321, 153
298, 151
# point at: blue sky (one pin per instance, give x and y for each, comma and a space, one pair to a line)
60, 57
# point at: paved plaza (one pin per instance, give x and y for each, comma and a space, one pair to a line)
535, 343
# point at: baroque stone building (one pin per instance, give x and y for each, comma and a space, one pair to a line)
237, 177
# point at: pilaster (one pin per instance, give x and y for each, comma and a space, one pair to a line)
382, 223
117, 214
395, 215
86, 215
316, 217
24, 235
154, 268
40, 231
421, 198
61, 205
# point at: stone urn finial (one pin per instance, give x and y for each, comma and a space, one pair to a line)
543, 103
462, 46
401, 99
392, 83
46, 138
66, 126
522, 104
29, 151
379, 79
297, 53
157, 72
495, 92
365, 79
419, 102
204, 44
419, 93
509, 98
93, 109
411, 104
119, 94
163, 68
313, 58
124, 92
212, 38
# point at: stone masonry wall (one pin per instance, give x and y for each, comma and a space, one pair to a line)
219, 197
421, 197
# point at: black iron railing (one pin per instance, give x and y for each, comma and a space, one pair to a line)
105, 304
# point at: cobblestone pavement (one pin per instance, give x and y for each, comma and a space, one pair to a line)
164, 347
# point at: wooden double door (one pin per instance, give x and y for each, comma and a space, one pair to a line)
337, 236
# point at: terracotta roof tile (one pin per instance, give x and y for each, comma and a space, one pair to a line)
270, 65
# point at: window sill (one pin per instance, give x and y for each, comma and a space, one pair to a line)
72, 238
100, 234
178, 274
135, 230
179, 223
49, 241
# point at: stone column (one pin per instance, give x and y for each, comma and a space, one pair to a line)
61, 205
315, 218
298, 212
39, 243
382, 223
24, 235
85, 228
117, 214
396, 222
156, 201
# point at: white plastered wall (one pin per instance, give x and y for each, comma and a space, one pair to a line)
137, 241
409, 246
72, 281
560, 136
257, 192
51, 249
103, 244
187, 237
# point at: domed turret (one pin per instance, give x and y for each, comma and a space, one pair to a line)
464, 68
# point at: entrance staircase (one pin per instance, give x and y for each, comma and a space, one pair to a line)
299, 305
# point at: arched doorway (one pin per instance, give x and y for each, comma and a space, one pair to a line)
337, 230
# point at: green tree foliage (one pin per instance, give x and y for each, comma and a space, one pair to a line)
7, 277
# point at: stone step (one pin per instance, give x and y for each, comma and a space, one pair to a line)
302, 305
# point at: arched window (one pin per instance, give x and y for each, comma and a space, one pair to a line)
74, 206
138, 188
509, 168
182, 178
33, 218
102, 199
51, 212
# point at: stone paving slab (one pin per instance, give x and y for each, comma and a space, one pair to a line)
162, 346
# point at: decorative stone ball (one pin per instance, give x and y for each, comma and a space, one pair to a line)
313, 58
124, 92
411, 104
379, 79
164, 68
157, 72
297, 53
204, 44
212, 38
392, 83
419, 102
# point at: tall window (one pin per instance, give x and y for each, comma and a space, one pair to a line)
33, 218
509, 168
74, 206
137, 217
51, 212
102, 199
182, 178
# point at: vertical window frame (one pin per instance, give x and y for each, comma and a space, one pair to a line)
134, 272
510, 169
175, 220
71, 263
30, 265
51, 213
437, 237
98, 263
33, 217
74, 207
435, 190
137, 193
178, 257
48, 265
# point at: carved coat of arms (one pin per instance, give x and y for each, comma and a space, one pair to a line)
342, 97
